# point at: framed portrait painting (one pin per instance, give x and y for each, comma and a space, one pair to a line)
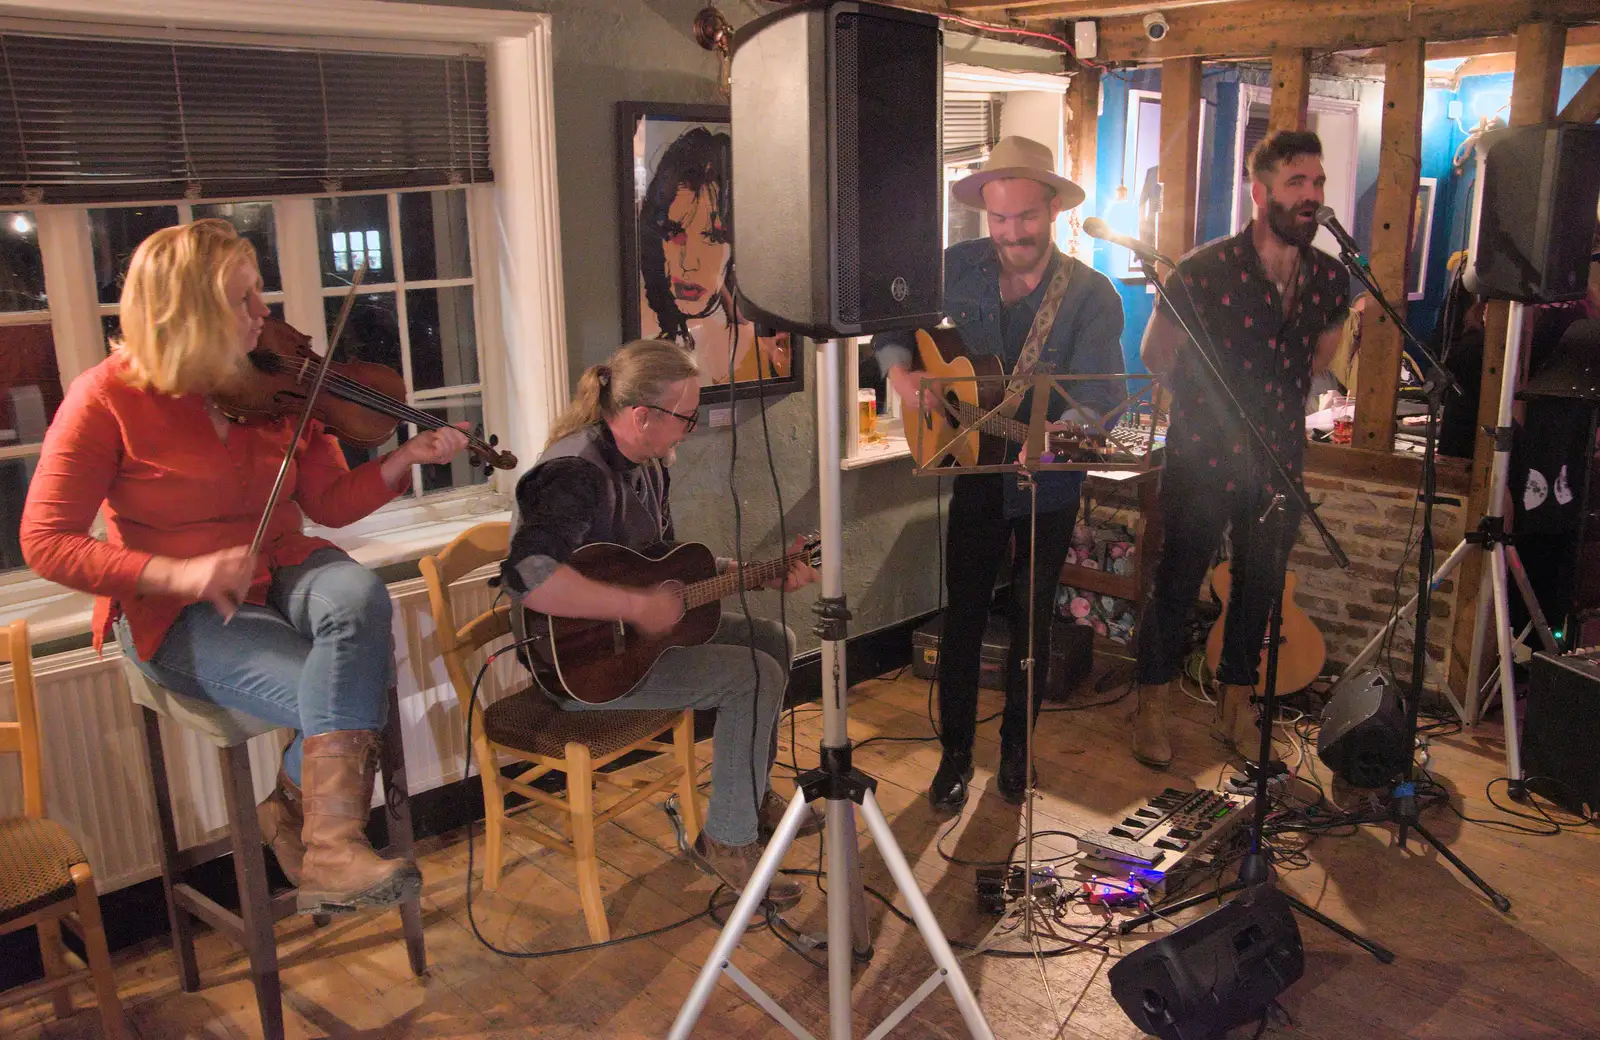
1421, 238
675, 191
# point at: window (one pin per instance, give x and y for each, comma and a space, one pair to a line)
414, 311
30, 379
116, 231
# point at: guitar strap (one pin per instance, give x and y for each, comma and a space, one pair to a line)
1043, 322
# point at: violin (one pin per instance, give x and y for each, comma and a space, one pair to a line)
362, 404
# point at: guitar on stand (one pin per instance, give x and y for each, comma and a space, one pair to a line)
1301, 650
599, 661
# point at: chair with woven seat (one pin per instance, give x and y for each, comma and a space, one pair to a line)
45, 878
528, 726
229, 732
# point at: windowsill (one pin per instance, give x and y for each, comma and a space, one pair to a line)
58, 615
890, 448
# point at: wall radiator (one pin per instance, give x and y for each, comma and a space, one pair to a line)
97, 777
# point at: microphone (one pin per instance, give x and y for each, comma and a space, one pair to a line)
1094, 227
1325, 216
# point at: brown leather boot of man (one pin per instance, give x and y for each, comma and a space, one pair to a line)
1236, 725
772, 809
733, 865
282, 818
341, 873
1150, 743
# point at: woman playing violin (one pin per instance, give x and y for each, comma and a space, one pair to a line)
298, 635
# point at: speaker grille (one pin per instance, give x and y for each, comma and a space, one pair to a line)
847, 159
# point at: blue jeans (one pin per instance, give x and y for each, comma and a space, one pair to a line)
721, 675
318, 657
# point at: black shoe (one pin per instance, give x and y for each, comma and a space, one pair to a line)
949, 788
1012, 779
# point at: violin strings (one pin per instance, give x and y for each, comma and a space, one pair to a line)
359, 393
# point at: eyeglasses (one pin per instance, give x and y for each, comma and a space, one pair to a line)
689, 421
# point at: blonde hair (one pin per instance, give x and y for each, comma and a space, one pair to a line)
176, 317
637, 374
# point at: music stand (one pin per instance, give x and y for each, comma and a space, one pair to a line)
1110, 451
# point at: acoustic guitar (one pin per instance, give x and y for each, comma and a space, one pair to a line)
1301, 651
941, 354
599, 661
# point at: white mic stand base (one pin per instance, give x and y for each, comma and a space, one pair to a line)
844, 788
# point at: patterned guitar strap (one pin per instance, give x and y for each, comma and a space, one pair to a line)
1028, 361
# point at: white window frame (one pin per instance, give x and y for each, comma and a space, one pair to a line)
516, 252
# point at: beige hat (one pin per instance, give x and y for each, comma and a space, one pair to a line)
1017, 157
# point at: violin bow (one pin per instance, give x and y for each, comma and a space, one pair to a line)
311, 400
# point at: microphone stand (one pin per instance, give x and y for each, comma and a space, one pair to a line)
1256, 866
1404, 809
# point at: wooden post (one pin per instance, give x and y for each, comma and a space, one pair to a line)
1083, 101
1083, 107
1291, 90
1534, 89
1378, 374
1180, 155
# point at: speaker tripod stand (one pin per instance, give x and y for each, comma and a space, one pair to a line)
1501, 567
845, 789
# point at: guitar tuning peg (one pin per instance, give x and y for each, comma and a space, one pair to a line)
494, 439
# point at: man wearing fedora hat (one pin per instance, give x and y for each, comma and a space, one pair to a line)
1012, 295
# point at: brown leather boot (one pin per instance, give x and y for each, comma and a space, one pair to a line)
341, 873
282, 818
1236, 725
1150, 743
733, 865
772, 810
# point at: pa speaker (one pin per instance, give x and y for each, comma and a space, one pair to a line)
1535, 212
1363, 734
1562, 730
1215, 973
837, 168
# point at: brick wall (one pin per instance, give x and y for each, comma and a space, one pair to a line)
1370, 522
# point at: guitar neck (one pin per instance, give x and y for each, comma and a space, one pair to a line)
748, 576
998, 425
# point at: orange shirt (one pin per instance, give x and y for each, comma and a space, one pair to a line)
172, 487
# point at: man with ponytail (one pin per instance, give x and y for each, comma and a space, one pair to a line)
603, 478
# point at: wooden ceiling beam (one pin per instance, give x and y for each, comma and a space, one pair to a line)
1255, 28
1074, 9
1488, 64
1577, 36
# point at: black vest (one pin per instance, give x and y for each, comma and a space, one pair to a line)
635, 511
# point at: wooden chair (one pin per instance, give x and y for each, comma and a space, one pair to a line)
44, 878
252, 927
530, 727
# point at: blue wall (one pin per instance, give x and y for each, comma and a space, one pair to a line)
1441, 137
1220, 86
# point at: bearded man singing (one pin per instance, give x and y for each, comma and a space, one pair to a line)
1274, 307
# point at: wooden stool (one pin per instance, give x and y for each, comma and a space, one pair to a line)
259, 910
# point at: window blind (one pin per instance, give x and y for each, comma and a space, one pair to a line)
971, 126
96, 120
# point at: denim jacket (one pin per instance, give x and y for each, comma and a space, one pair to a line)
1086, 338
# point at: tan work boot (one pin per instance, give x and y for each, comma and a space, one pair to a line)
1150, 743
1236, 721
282, 818
772, 810
341, 872
733, 865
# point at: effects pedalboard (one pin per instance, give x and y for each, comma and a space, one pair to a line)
1172, 830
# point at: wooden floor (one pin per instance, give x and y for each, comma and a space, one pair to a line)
1462, 969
